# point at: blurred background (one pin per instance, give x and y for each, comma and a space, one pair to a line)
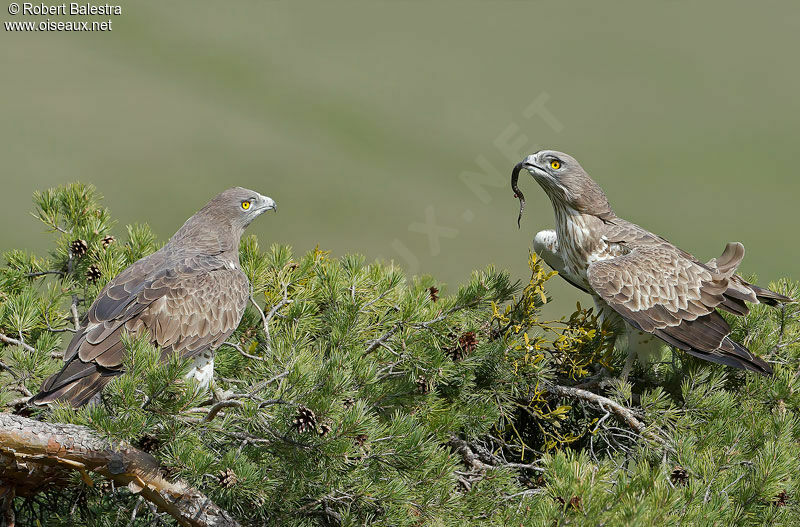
390, 129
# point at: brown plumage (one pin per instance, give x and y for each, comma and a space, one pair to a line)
188, 296
653, 285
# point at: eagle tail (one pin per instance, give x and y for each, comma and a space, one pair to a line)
771, 298
76, 390
707, 338
740, 289
740, 358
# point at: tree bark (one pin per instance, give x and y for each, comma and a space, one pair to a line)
36, 455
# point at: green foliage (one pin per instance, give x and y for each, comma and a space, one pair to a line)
353, 391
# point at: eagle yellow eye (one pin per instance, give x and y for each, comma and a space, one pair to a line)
555, 164
245, 205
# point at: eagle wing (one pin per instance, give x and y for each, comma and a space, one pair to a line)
662, 290
186, 308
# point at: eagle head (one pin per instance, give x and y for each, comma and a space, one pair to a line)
241, 206
565, 182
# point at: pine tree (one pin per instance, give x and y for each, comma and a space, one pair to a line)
357, 395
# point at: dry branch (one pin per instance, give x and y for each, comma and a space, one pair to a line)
34, 455
14, 342
470, 458
604, 403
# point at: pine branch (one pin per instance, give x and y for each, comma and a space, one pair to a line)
241, 350
376, 299
480, 459
455, 309
375, 344
6, 367
40, 448
44, 273
265, 319
228, 403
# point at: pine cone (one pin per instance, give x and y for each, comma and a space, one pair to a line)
304, 420
781, 499
227, 478
348, 403
423, 385
108, 240
79, 248
679, 476
574, 502
434, 293
468, 341
148, 443
168, 472
466, 345
93, 273
360, 439
324, 429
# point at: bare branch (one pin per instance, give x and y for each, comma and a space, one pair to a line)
73, 308
44, 273
31, 451
229, 403
604, 403
525, 494
15, 342
135, 511
6, 367
243, 352
263, 384
375, 344
74, 304
470, 458
480, 458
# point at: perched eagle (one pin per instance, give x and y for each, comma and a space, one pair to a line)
189, 296
637, 276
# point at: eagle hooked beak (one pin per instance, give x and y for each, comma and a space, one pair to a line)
265, 203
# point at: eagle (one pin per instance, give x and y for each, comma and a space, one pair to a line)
637, 279
188, 297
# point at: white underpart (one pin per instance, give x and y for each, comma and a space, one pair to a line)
203, 369
640, 344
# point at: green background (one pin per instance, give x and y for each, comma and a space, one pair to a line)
357, 118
